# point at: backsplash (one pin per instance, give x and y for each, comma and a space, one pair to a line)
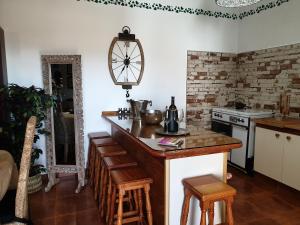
263, 75
211, 81
259, 77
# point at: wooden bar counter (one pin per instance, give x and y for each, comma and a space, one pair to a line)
202, 152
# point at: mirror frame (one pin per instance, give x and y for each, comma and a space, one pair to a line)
52, 167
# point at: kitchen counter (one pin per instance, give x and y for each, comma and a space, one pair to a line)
202, 152
200, 142
287, 125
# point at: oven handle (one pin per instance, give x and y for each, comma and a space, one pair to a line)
235, 125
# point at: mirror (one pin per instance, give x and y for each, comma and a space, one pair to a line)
63, 114
64, 145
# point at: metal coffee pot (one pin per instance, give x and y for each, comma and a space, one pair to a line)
137, 107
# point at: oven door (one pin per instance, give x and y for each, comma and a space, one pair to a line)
223, 128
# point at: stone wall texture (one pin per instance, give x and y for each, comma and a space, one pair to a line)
258, 77
211, 82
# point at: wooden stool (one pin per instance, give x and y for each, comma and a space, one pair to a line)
207, 189
91, 136
101, 152
109, 164
130, 179
95, 144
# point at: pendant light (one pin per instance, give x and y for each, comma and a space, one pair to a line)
235, 3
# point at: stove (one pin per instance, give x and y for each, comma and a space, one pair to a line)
238, 123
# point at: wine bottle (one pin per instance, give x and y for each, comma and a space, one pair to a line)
172, 117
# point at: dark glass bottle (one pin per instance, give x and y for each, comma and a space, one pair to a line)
172, 117
166, 120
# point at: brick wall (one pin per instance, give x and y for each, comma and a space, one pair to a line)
259, 77
263, 75
211, 81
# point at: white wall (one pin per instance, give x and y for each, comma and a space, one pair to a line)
272, 28
36, 27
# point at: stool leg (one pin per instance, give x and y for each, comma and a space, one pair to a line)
101, 186
120, 207
141, 216
203, 207
97, 177
148, 204
136, 201
92, 165
108, 198
229, 202
185, 207
211, 213
112, 206
130, 200
104, 189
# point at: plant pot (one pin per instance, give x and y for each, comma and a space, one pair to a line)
34, 183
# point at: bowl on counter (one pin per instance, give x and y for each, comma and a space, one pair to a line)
151, 117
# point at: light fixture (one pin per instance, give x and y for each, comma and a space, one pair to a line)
235, 3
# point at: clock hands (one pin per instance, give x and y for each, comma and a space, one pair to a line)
121, 72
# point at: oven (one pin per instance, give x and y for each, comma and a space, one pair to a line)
240, 125
236, 127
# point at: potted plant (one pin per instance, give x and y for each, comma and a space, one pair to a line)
21, 103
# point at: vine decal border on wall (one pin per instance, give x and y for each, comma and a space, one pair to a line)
191, 11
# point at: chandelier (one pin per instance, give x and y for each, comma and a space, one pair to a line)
235, 3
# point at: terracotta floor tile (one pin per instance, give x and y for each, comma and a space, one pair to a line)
42, 209
69, 219
88, 217
260, 201
49, 221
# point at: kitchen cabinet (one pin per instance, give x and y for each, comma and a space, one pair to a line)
291, 161
269, 153
277, 155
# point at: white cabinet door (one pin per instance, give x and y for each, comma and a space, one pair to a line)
291, 161
269, 153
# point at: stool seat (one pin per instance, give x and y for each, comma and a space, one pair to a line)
208, 187
119, 162
114, 150
104, 142
130, 175
96, 135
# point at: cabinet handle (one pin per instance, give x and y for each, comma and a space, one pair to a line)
288, 138
277, 135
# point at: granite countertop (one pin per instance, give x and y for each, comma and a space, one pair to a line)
289, 125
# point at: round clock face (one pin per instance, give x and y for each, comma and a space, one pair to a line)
126, 61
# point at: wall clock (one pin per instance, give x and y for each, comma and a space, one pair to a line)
126, 60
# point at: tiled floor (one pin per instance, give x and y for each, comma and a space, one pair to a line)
61, 206
260, 201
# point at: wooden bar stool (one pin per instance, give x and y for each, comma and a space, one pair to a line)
105, 151
95, 144
125, 180
91, 136
109, 164
207, 189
